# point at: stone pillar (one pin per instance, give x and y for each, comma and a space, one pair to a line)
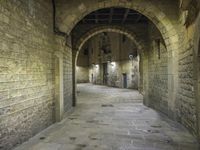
145, 71
59, 98
172, 81
74, 59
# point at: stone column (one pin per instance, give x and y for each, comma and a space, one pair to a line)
74, 59
59, 98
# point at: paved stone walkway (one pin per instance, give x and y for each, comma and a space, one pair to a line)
112, 119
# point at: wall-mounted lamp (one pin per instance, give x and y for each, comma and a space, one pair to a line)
97, 66
131, 57
113, 64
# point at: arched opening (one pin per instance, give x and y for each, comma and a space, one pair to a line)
160, 20
114, 62
125, 34
159, 70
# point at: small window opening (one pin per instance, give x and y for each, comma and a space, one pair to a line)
86, 51
158, 47
123, 38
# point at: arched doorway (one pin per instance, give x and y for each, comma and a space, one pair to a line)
165, 27
114, 62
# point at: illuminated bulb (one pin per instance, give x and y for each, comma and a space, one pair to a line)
113, 64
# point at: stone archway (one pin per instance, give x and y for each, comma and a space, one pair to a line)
116, 29
163, 22
95, 31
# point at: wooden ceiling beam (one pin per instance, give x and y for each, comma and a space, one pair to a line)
96, 18
111, 15
138, 19
125, 15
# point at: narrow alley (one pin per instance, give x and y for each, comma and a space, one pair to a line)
112, 119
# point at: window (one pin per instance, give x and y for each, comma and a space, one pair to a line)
86, 51
92, 50
123, 38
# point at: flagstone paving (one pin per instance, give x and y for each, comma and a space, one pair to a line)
112, 119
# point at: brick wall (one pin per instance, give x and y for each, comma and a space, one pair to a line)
26, 70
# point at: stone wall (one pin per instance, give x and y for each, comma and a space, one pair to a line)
157, 71
82, 74
27, 46
187, 96
82, 65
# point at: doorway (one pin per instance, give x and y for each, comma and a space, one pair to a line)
125, 85
105, 73
92, 79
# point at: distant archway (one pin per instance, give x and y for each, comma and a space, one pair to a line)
95, 31
117, 29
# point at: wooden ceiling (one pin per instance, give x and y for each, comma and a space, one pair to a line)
114, 16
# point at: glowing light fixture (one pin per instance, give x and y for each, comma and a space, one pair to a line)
113, 64
131, 57
97, 66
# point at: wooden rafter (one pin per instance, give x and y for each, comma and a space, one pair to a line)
96, 18
138, 19
111, 15
125, 15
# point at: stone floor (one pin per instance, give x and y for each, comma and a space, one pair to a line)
112, 119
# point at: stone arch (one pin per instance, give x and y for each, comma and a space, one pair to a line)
117, 29
159, 19
154, 14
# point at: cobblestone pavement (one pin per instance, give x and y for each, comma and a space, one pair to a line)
112, 119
